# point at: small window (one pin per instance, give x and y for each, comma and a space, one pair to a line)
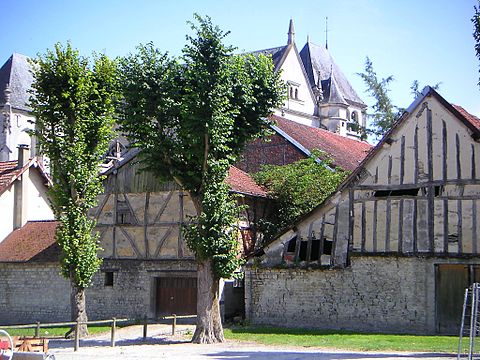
291, 245
291, 92
402, 192
108, 278
327, 246
296, 94
124, 215
354, 116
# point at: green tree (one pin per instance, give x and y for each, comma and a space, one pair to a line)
385, 112
73, 102
297, 188
476, 32
191, 122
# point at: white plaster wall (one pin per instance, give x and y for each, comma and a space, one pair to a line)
38, 205
292, 71
6, 213
19, 123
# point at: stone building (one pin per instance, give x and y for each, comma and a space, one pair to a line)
394, 247
318, 93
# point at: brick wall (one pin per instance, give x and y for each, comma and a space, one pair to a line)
391, 294
274, 151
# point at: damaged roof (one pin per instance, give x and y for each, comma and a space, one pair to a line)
345, 152
9, 172
16, 73
35, 241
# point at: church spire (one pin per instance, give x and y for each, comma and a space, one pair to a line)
291, 33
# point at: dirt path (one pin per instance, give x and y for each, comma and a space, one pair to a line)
161, 345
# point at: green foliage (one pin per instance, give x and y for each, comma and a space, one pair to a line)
416, 91
297, 188
191, 122
476, 32
73, 103
384, 112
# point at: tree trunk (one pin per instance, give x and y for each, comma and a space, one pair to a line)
209, 323
78, 309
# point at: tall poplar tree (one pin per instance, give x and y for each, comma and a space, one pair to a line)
476, 32
73, 102
191, 118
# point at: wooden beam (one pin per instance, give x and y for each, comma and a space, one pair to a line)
414, 226
400, 227
415, 149
162, 241
460, 223
131, 241
164, 206
445, 226
181, 216
389, 171
473, 165
145, 224
135, 218
387, 225
474, 228
335, 232
101, 206
351, 219
375, 180
374, 226
309, 242
431, 218
429, 145
402, 160
459, 161
364, 228
444, 152
320, 248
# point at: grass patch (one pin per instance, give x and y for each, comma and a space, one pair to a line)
56, 331
343, 339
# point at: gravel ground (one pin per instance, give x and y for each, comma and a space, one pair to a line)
161, 345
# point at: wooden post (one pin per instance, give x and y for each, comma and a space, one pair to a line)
114, 328
77, 336
174, 323
37, 330
145, 324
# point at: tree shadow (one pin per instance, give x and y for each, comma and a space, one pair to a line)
158, 340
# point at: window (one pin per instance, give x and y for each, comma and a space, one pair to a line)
438, 189
296, 93
354, 116
108, 278
303, 250
124, 215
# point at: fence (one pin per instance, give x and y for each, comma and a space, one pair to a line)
113, 324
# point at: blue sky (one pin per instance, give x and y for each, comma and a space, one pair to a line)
429, 41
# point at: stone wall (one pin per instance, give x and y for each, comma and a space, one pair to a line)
31, 292
389, 294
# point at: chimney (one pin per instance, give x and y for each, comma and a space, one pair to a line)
23, 155
20, 189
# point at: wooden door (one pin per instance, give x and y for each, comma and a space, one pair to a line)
451, 281
176, 295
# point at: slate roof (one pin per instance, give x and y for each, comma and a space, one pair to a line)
345, 152
16, 72
317, 59
35, 241
9, 172
475, 121
276, 54
240, 182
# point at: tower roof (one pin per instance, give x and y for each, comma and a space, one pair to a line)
291, 33
321, 68
16, 73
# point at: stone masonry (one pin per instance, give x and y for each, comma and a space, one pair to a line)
388, 294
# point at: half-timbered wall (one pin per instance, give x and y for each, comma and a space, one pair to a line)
138, 217
419, 194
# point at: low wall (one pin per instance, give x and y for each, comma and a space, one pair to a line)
389, 294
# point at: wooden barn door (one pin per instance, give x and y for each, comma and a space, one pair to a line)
176, 295
450, 283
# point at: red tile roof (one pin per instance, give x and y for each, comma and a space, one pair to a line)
240, 182
35, 241
475, 121
346, 153
9, 172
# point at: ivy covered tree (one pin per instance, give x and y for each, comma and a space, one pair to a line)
190, 118
297, 188
73, 102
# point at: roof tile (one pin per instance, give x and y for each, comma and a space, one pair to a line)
239, 181
475, 121
346, 153
30, 242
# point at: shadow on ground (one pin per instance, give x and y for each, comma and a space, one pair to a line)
321, 355
64, 344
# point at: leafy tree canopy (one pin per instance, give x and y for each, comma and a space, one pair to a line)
73, 103
297, 188
476, 32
